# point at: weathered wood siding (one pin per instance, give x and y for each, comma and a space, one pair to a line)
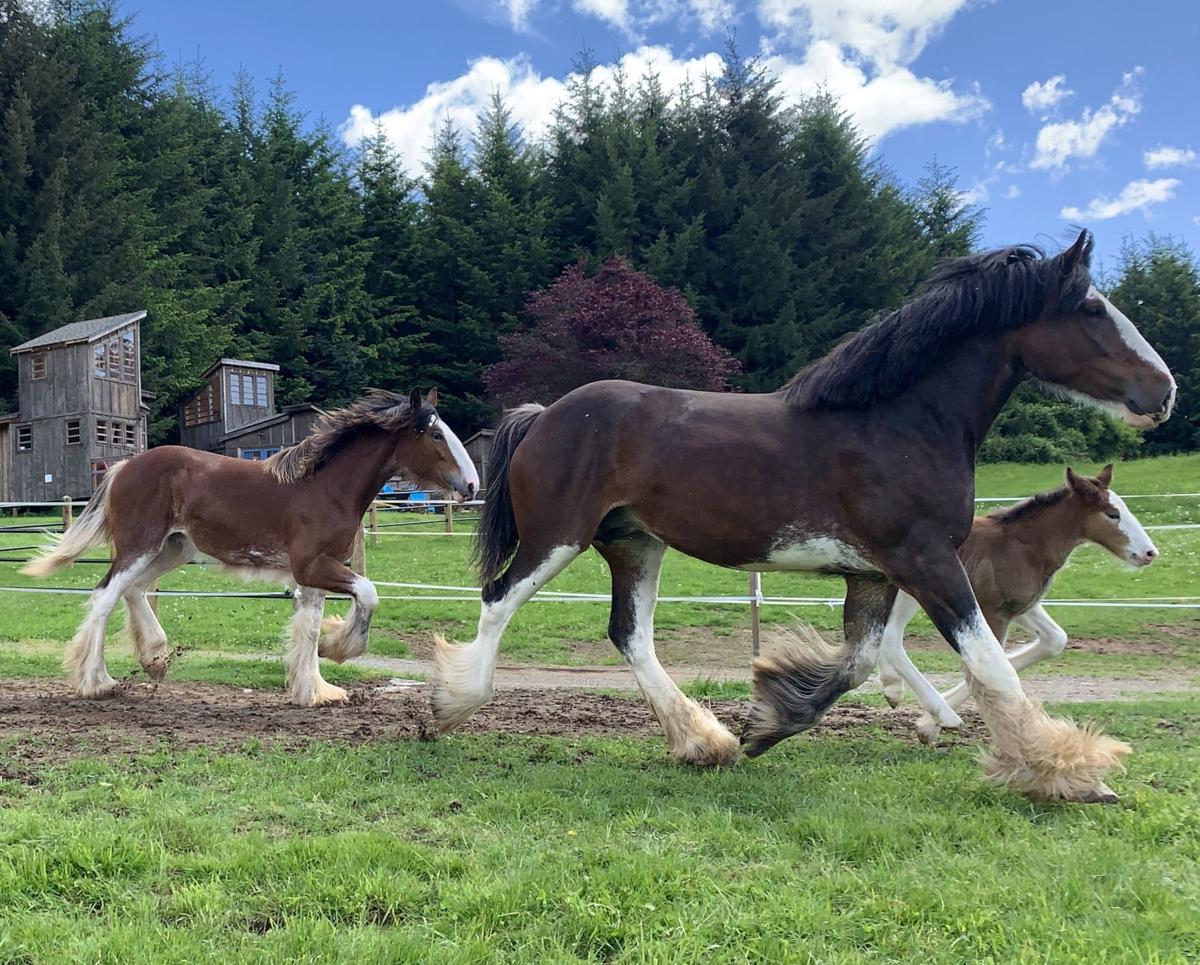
276, 436
239, 415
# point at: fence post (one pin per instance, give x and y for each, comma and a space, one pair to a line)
358, 555
373, 516
755, 598
68, 513
449, 516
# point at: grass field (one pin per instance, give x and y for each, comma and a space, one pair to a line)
836, 847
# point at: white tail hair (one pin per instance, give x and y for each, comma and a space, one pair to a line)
91, 529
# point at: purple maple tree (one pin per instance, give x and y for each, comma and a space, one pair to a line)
618, 324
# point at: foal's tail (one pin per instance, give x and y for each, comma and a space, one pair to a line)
496, 538
91, 529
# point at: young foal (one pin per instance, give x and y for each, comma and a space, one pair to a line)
862, 466
1011, 557
291, 518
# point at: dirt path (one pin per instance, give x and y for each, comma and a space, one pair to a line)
1054, 687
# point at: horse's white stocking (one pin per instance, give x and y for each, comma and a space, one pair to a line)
1040, 756
305, 684
693, 734
145, 632
463, 674
84, 660
346, 638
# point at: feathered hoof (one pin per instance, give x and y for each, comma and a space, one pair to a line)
702, 740
928, 730
96, 689
338, 643
457, 691
156, 667
1058, 761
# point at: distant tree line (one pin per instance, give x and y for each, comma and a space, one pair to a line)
246, 231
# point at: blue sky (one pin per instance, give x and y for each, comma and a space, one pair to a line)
1054, 113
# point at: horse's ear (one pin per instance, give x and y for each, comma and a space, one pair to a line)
1104, 477
1072, 479
1082, 487
431, 397
414, 400
1078, 254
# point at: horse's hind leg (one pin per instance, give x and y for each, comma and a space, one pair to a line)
146, 634
796, 685
693, 734
84, 660
462, 675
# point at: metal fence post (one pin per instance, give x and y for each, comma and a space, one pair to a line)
755, 605
449, 517
68, 513
373, 516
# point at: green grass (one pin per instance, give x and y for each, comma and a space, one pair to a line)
550, 631
845, 848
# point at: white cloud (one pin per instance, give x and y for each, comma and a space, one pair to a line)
1059, 142
858, 50
519, 12
1169, 157
531, 97
1040, 97
884, 32
977, 193
1013, 192
1135, 196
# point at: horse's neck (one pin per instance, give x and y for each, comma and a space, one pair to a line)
1051, 534
968, 392
358, 470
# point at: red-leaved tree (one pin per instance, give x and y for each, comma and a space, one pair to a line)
619, 324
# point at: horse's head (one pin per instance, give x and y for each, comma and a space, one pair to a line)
433, 454
1083, 347
1108, 522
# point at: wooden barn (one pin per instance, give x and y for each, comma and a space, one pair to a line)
479, 448
80, 409
233, 412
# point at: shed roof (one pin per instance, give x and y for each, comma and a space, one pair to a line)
241, 364
481, 434
271, 420
76, 332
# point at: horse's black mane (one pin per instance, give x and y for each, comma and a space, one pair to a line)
1010, 514
379, 409
989, 292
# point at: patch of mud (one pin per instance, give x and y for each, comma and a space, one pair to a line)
41, 722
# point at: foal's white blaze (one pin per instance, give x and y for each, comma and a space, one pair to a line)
1141, 550
468, 474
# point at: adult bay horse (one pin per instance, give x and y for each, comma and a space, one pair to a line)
291, 518
862, 466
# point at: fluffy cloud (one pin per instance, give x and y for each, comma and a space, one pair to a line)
858, 50
1040, 97
1135, 196
1013, 192
1058, 143
884, 32
1169, 157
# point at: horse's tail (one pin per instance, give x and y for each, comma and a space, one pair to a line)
91, 529
496, 538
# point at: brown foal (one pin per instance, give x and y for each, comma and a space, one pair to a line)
291, 518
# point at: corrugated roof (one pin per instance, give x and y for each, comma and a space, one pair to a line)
86, 331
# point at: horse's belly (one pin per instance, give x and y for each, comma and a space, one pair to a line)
814, 553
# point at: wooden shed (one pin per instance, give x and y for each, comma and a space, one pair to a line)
235, 393
266, 436
479, 448
79, 411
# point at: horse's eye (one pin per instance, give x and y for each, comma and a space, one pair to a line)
1094, 309
439, 437
1113, 513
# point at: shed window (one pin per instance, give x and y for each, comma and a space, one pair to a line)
258, 455
260, 391
24, 438
130, 435
116, 358
39, 365
202, 408
99, 468
243, 389
102, 430
128, 358
74, 437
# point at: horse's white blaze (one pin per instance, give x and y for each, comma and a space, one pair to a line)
1141, 548
812, 553
463, 675
469, 475
1132, 337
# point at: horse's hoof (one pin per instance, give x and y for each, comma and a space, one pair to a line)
929, 730
1100, 794
156, 669
894, 699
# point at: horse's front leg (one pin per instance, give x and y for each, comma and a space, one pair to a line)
798, 682
317, 576
1040, 756
344, 638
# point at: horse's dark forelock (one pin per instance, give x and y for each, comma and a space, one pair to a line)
378, 409
989, 292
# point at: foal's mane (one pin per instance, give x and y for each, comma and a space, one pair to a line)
989, 292
1018, 511
378, 409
